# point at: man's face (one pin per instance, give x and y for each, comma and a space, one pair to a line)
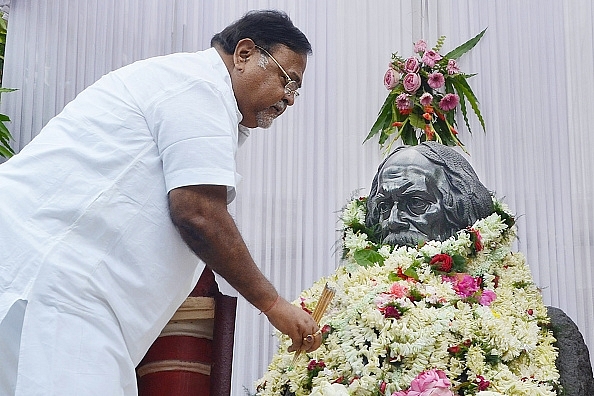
260, 87
410, 200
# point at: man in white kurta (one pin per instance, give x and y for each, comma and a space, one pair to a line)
91, 265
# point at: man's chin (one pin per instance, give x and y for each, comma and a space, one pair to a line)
264, 121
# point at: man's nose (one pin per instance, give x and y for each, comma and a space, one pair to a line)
289, 99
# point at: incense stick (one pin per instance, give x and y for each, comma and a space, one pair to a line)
318, 312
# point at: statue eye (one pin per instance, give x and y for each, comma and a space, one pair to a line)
417, 206
384, 207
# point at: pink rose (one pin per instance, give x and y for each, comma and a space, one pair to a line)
390, 79
426, 99
487, 297
411, 65
430, 58
449, 102
411, 82
465, 285
403, 101
430, 383
420, 46
398, 291
436, 80
452, 67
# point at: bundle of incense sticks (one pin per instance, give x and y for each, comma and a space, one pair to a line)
318, 312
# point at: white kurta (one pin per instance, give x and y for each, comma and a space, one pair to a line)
87, 247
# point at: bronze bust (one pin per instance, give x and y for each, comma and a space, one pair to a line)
425, 192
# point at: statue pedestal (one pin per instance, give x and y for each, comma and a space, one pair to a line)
193, 355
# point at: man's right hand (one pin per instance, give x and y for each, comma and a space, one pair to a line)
297, 324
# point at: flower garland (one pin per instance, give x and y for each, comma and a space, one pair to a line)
425, 91
458, 317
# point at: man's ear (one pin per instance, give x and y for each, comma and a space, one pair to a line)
243, 50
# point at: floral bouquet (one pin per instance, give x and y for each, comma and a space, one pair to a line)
459, 317
425, 91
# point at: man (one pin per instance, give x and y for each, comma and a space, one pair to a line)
98, 211
425, 192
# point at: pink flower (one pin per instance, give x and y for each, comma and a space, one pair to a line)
430, 58
398, 291
487, 297
411, 82
420, 46
403, 101
390, 79
426, 99
411, 65
400, 393
430, 383
463, 284
452, 67
449, 102
436, 80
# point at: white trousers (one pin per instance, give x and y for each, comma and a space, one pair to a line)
10, 336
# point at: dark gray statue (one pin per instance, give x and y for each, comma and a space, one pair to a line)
425, 192
429, 192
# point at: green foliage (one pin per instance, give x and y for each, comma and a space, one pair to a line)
368, 257
5, 136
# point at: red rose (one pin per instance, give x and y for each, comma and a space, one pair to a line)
442, 262
454, 349
391, 312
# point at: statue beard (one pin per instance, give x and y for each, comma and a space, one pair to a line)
405, 238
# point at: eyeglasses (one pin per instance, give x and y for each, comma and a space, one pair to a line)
292, 86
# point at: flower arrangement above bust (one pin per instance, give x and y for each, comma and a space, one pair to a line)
426, 89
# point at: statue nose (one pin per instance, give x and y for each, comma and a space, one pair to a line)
395, 222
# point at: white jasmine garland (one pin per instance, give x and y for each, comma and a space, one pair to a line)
482, 322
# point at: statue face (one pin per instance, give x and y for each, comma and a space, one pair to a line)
409, 200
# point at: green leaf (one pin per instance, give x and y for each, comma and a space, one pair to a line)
459, 263
384, 118
6, 152
409, 135
411, 272
417, 121
464, 91
368, 257
464, 48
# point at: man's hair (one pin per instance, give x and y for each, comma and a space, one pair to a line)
267, 29
467, 200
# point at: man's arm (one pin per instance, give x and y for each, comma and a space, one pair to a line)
201, 216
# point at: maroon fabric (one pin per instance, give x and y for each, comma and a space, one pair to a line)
174, 383
224, 332
218, 352
186, 348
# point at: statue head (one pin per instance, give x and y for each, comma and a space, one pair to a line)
425, 192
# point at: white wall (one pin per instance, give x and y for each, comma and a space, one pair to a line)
534, 70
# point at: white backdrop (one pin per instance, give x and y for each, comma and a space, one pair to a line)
534, 70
